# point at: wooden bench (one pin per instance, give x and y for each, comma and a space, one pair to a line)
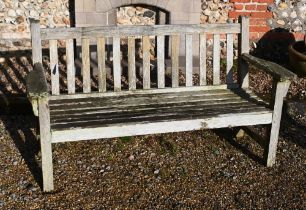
90, 115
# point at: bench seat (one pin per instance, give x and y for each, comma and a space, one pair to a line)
140, 114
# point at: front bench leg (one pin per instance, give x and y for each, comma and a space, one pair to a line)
280, 91
45, 143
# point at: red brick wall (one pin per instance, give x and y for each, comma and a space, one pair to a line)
258, 12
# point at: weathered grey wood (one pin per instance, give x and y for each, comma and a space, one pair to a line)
188, 105
229, 58
101, 64
110, 31
189, 60
36, 41
70, 66
131, 63
55, 86
216, 60
157, 98
165, 90
66, 113
203, 57
162, 127
45, 143
280, 93
146, 45
86, 66
146, 115
117, 64
270, 67
36, 82
161, 61
175, 47
244, 47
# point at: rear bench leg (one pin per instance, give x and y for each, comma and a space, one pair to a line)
280, 91
45, 143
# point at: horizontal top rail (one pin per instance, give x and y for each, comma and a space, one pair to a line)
122, 31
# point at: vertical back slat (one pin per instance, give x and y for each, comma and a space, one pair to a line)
161, 61
175, 42
117, 63
189, 60
244, 47
131, 67
36, 41
70, 66
216, 60
203, 56
86, 65
55, 87
146, 45
229, 58
101, 64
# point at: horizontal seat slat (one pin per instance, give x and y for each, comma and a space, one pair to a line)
84, 113
141, 92
161, 114
120, 106
99, 121
153, 127
63, 110
153, 98
97, 110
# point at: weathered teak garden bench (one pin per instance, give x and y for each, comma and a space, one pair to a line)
106, 114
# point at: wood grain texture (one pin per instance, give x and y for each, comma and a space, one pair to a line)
280, 92
146, 45
139, 91
86, 66
36, 41
70, 66
131, 63
55, 85
203, 58
244, 47
101, 64
175, 47
162, 127
189, 60
45, 143
161, 61
117, 64
216, 60
229, 59
156, 30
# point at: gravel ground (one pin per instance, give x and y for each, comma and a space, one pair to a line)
201, 169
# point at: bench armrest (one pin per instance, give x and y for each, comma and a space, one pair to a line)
269, 67
37, 87
36, 82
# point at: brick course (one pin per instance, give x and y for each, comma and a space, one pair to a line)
258, 12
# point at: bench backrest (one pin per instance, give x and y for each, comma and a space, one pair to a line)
175, 32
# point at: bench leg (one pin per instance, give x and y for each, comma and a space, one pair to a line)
280, 92
45, 143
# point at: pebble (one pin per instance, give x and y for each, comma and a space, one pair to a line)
131, 157
2, 59
156, 171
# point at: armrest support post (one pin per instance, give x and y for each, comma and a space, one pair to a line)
280, 90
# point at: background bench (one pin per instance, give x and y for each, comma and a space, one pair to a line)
75, 116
